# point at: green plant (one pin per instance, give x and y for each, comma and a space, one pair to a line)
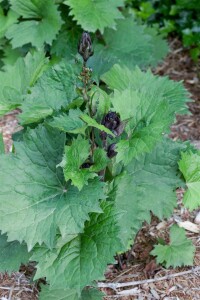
178, 17
92, 160
179, 247
85, 168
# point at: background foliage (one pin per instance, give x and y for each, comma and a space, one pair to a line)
172, 17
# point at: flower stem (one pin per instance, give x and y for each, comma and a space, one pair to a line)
86, 81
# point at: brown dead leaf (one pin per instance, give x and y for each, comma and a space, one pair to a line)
151, 268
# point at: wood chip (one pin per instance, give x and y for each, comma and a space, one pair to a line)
189, 226
161, 225
173, 288
129, 292
155, 294
197, 218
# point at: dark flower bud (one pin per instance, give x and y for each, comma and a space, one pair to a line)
111, 121
111, 150
85, 46
86, 165
103, 135
118, 131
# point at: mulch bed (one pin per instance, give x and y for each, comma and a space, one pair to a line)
17, 286
179, 66
137, 264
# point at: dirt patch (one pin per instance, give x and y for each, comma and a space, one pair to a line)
9, 125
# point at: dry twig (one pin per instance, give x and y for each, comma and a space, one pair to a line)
117, 285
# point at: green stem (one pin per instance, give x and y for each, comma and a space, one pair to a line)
88, 100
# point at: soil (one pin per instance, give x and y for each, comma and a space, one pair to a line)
137, 264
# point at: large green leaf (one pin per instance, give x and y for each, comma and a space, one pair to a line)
149, 103
61, 294
65, 44
91, 294
95, 14
13, 254
132, 211
39, 200
55, 89
122, 78
133, 102
17, 79
130, 44
82, 259
151, 121
189, 165
40, 23
180, 251
58, 294
159, 46
148, 185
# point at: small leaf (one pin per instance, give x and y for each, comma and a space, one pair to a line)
180, 251
100, 160
75, 155
189, 165
70, 122
91, 122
